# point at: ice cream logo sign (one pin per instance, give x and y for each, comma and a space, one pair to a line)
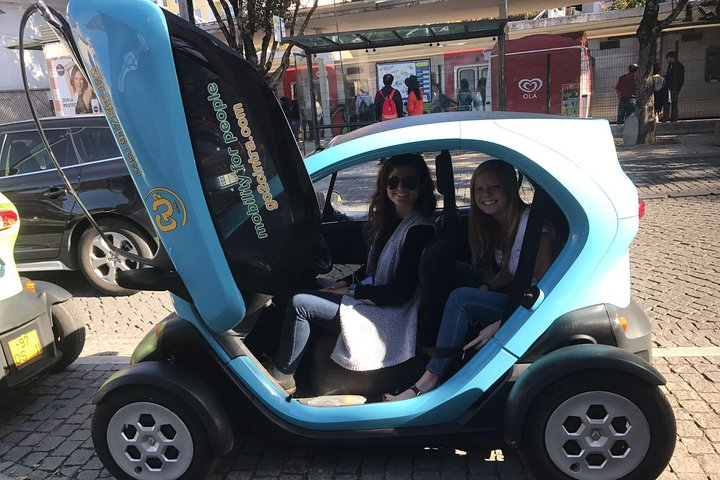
530, 87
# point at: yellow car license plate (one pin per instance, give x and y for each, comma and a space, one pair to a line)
25, 347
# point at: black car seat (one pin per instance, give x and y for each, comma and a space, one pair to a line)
437, 263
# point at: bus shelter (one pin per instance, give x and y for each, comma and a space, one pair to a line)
343, 69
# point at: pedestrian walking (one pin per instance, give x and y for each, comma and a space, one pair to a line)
625, 88
364, 105
415, 96
464, 97
388, 102
660, 91
674, 79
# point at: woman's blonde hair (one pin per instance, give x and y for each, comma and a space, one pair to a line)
487, 234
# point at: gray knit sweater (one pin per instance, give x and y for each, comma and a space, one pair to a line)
372, 336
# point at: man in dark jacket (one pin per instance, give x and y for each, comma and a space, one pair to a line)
383, 93
674, 79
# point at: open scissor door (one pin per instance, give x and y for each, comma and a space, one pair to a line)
209, 149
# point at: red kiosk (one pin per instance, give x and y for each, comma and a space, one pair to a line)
546, 74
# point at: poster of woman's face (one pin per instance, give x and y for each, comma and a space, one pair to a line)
72, 95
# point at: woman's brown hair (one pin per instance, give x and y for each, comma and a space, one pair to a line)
487, 234
382, 221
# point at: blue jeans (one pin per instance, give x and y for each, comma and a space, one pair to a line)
626, 107
464, 308
319, 308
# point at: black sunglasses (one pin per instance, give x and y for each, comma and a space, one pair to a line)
409, 183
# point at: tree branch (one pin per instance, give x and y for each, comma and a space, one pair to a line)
663, 24
227, 29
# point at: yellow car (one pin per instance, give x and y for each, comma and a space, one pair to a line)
39, 332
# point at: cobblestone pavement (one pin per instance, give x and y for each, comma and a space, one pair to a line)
45, 428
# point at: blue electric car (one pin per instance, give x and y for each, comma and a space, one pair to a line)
246, 221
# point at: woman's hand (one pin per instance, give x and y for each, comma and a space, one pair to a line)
483, 337
335, 287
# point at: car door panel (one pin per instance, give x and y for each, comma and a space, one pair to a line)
38, 192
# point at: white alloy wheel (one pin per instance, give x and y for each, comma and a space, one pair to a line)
597, 436
149, 441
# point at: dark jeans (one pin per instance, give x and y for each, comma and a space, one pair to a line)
670, 110
319, 308
626, 107
466, 306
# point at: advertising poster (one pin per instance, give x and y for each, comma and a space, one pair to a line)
571, 100
72, 95
402, 70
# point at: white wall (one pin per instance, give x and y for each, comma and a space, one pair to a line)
10, 78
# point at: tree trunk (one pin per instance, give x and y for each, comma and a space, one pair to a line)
647, 34
645, 98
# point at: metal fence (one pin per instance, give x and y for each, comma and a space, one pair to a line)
698, 50
14, 105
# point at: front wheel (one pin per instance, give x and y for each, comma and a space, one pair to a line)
147, 432
599, 426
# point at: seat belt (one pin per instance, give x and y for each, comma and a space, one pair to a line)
520, 291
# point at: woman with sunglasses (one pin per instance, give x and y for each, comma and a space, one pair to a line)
496, 229
375, 319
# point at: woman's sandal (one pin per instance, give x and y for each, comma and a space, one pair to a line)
416, 390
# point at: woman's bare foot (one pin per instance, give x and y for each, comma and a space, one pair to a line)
427, 382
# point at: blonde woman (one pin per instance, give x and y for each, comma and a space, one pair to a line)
498, 218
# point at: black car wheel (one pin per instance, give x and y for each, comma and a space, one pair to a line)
146, 432
69, 333
99, 263
601, 425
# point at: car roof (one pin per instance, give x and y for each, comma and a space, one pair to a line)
57, 122
544, 147
440, 118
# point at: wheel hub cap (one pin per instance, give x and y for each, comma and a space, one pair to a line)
105, 262
146, 439
597, 436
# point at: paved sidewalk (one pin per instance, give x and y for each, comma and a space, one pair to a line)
45, 429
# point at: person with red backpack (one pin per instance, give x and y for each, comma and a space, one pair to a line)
388, 102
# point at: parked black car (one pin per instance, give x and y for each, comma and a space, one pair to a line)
54, 234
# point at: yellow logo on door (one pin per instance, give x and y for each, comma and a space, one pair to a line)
168, 207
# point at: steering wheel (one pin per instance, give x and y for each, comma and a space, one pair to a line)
320, 258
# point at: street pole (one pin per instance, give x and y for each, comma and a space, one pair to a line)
187, 10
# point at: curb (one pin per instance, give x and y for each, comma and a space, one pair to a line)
688, 193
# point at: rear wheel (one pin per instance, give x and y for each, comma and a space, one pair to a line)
69, 333
146, 432
599, 426
99, 263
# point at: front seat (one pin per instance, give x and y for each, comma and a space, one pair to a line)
437, 263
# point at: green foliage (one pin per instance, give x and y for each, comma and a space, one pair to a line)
625, 4
243, 22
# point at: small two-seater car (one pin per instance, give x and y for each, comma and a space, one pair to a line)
567, 379
39, 331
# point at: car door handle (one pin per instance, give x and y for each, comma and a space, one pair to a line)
55, 193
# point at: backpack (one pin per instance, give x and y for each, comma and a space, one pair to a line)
389, 110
